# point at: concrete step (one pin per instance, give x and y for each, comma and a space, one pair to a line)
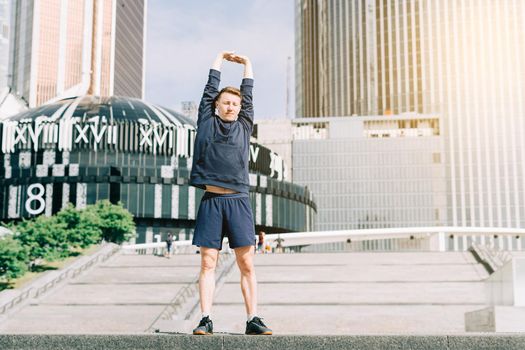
147, 269
233, 342
82, 319
453, 293
341, 319
125, 294
326, 271
144, 274
358, 293
367, 258
299, 293
111, 294
130, 260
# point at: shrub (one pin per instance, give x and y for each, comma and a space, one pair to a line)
115, 221
82, 226
43, 238
13, 258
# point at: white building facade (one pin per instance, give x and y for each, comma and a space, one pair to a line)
460, 60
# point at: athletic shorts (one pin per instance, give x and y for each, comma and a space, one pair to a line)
223, 215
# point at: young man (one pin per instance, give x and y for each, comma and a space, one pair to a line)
220, 166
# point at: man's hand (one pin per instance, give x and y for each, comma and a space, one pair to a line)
232, 57
238, 58
223, 55
227, 55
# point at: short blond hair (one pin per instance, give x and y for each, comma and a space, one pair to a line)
230, 90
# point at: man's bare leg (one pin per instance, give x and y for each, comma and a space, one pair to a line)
244, 257
209, 258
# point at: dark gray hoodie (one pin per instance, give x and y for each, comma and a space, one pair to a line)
221, 151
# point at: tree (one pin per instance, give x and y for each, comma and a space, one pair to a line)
115, 221
13, 258
83, 226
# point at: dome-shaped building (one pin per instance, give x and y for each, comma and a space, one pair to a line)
81, 150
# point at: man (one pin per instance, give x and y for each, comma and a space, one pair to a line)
220, 166
260, 243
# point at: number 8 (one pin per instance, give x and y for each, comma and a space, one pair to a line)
39, 197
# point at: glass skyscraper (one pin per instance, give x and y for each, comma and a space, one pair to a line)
4, 42
459, 60
70, 48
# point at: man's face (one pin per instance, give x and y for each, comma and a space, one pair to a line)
228, 106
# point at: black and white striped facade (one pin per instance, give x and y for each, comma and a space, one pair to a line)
88, 148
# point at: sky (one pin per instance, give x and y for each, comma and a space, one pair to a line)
184, 37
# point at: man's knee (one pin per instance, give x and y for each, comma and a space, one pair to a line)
208, 264
245, 266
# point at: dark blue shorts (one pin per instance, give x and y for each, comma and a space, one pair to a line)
222, 215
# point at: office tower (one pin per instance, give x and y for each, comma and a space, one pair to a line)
461, 60
69, 48
4, 42
130, 46
371, 172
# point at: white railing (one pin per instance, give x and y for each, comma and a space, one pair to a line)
436, 238
441, 238
159, 248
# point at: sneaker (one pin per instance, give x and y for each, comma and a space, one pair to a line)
205, 327
257, 327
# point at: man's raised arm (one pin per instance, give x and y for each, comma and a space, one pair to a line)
246, 113
212, 87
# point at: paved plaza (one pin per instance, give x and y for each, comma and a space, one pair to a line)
310, 293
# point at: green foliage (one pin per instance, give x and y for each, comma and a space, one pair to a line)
82, 226
115, 221
13, 258
43, 237
54, 238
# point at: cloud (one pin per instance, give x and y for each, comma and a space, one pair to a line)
183, 39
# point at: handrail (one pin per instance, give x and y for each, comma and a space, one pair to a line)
283, 240
489, 257
291, 239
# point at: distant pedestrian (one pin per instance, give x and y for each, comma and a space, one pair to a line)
279, 248
260, 242
169, 243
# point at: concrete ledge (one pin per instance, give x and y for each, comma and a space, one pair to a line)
496, 319
220, 341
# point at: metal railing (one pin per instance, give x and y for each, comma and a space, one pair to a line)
491, 258
437, 238
158, 248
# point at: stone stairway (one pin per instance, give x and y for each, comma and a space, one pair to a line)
122, 295
358, 293
313, 293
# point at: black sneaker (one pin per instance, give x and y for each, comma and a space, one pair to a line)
205, 327
257, 327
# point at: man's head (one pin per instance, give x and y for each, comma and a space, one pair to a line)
228, 104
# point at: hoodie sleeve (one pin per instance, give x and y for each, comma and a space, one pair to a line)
211, 90
246, 113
